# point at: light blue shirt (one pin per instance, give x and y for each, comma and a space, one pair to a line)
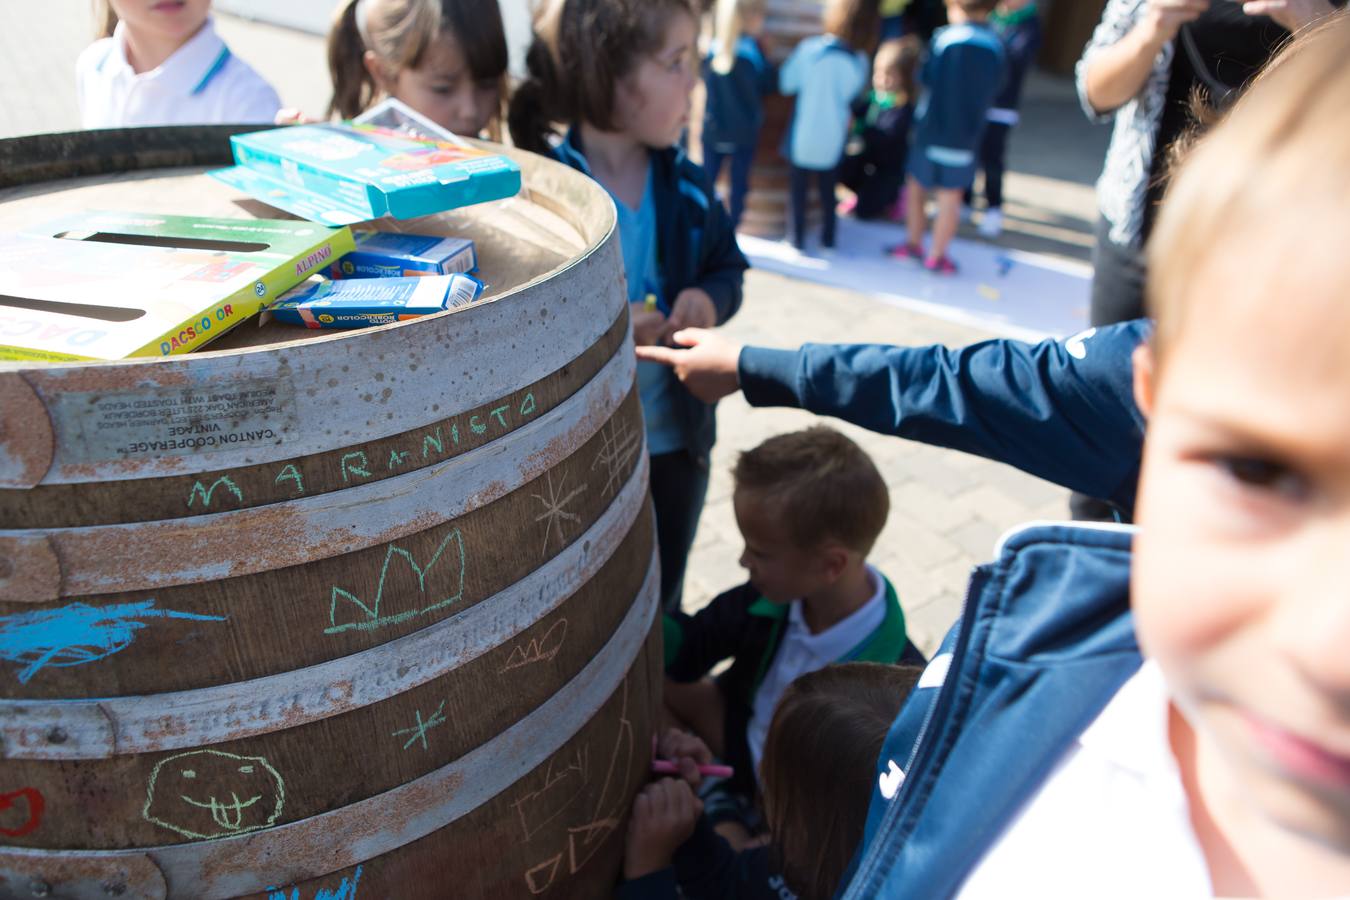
826, 76
656, 383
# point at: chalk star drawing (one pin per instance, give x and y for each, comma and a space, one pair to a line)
188, 794
538, 650
419, 731
344, 891
78, 634
619, 444
372, 615
555, 511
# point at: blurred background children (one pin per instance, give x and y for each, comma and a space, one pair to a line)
874, 168
962, 75
825, 73
1018, 23
809, 505
736, 77
619, 73
820, 758
446, 59
159, 63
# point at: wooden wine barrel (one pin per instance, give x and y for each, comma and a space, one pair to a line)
309, 613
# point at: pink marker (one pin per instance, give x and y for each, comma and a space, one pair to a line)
667, 767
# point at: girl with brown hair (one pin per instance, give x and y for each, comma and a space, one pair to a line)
445, 59
617, 75
819, 769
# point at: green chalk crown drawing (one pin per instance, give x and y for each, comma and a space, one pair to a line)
447, 587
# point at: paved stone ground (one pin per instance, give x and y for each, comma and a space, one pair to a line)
947, 509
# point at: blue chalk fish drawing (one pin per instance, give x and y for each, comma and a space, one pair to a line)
77, 634
344, 891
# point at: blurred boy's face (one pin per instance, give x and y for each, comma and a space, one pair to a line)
1241, 581
886, 81
653, 101
778, 568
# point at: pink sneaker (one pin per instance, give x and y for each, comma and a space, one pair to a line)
942, 265
911, 252
846, 206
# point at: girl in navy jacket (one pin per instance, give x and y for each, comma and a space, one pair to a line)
619, 74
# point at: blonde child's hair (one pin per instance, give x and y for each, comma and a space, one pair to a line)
901, 55
105, 20
399, 32
730, 24
1282, 147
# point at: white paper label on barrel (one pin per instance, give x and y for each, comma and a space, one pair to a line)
183, 420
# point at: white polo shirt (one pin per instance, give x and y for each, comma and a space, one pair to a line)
800, 652
1112, 819
202, 83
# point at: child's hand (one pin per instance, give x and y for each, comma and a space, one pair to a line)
648, 324
693, 309
687, 751
707, 368
290, 116
664, 816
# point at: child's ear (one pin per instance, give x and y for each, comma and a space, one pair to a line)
378, 71
1144, 378
835, 559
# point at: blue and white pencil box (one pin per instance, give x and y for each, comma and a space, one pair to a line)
361, 302
388, 254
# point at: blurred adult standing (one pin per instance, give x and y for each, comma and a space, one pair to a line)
1144, 63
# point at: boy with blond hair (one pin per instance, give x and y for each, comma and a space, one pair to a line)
809, 505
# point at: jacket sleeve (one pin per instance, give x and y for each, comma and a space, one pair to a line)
708, 869
721, 264
790, 75
1061, 410
694, 644
658, 885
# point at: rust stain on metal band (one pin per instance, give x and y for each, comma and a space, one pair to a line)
27, 443
30, 571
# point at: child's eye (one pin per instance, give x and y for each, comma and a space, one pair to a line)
1264, 475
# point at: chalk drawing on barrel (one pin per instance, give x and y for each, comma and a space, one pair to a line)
419, 731
344, 891
585, 840
78, 634
212, 794
439, 584
537, 650
555, 509
565, 780
204, 494
619, 445
21, 811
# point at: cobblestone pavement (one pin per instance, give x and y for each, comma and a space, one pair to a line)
947, 509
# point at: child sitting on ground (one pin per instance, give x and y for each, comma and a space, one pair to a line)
874, 168
825, 735
809, 505
961, 77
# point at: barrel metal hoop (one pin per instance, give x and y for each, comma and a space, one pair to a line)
106, 727
230, 867
27, 443
313, 396
147, 555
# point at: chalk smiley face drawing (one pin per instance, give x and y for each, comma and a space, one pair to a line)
212, 794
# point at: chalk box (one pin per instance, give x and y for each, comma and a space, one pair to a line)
344, 173
361, 302
113, 285
387, 254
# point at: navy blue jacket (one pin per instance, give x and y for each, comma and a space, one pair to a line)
734, 110
1045, 641
695, 247
1021, 39
706, 868
962, 75
1060, 410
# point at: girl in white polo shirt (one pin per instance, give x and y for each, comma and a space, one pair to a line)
161, 62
